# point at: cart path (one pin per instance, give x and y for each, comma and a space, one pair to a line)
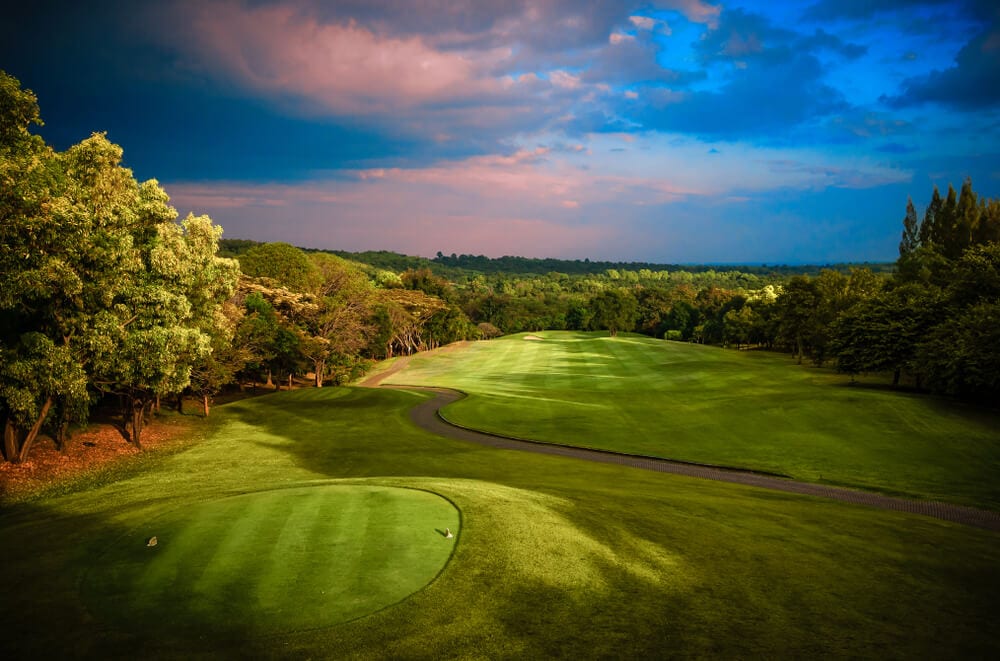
427, 416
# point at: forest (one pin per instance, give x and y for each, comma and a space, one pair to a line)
106, 298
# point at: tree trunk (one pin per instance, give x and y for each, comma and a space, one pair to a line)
204, 404
799, 350
895, 377
33, 432
269, 382
180, 403
136, 418
62, 435
289, 380
62, 429
320, 367
10, 440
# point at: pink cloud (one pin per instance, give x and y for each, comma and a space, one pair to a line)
697, 11
242, 196
387, 215
533, 177
531, 202
540, 202
343, 66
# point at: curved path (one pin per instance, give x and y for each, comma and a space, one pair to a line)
427, 416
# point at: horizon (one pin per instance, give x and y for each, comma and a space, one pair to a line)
587, 259
677, 132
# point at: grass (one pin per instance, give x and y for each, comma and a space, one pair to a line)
556, 557
274, 561
752, 410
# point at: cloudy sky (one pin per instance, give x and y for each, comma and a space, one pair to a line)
676, 131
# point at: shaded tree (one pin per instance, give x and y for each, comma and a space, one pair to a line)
881, 334
795, 314
613, 311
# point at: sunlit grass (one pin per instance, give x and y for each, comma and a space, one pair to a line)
274, 561
753, 410
556, 557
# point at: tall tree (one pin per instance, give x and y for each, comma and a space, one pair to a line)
33, 271
961, 354
911, 230
402, 315
337, 330
966, 220
795, 308
928, 226
614, 310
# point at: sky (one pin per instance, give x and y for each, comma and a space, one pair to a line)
677, 131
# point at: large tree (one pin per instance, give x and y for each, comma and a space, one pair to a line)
161, 324
795, 310
613, 310
881, 334
961, 354
98, 283
36, 227
338, 329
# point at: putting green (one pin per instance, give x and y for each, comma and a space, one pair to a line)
273, 561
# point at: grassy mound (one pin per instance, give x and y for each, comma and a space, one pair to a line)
274, 561
690, 402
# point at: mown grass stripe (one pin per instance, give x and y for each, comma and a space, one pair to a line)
288, 558
754, 410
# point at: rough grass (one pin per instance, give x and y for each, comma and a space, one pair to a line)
556, 557
753, 410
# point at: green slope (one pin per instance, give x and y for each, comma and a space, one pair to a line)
556, 557
704, 404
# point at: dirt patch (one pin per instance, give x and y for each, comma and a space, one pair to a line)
96, 447
376, 379
534, 337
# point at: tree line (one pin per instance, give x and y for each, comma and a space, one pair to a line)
937, 320
105, 296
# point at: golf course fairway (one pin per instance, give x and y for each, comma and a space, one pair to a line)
754, 410
275, 561
556, 558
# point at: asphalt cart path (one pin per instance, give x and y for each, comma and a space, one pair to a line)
427, 416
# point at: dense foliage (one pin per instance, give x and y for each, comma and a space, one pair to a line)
937, 320
101, 290
104, 294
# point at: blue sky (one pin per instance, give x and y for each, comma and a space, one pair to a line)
676, 131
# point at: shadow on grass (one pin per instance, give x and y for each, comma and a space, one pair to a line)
767, 574
986, 411
48, 611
